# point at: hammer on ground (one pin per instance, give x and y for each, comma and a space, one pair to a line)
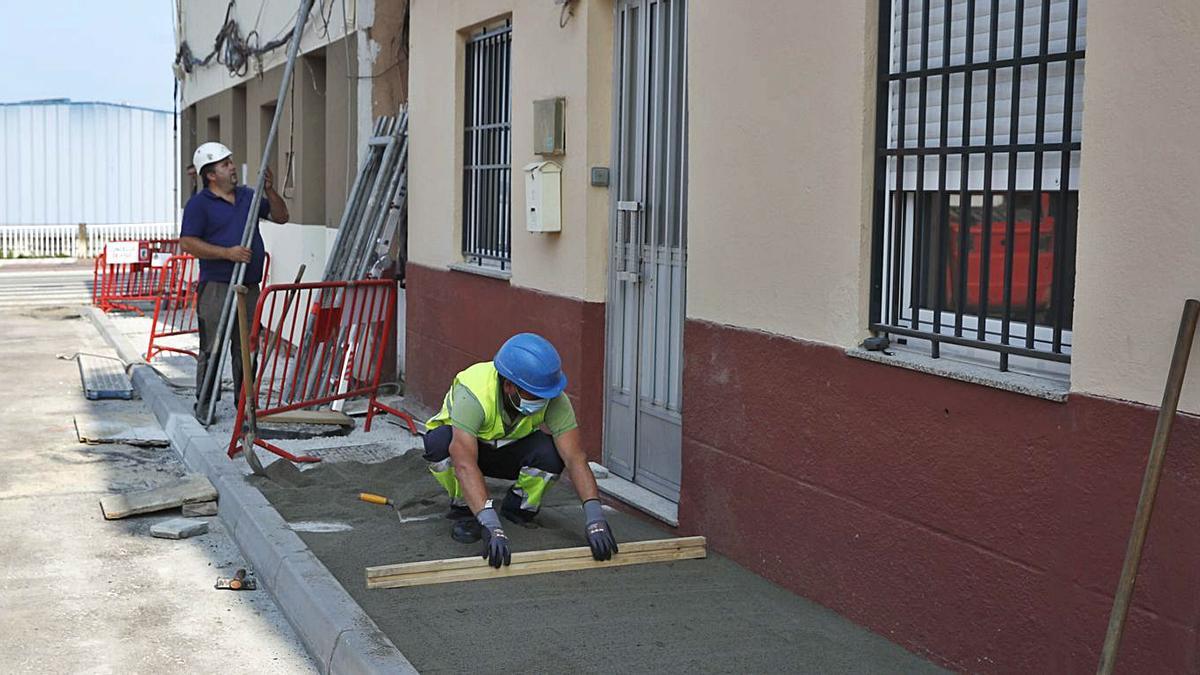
239, 582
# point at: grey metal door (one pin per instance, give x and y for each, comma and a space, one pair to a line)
644, 364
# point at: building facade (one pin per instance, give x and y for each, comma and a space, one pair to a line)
749, 195
352, 68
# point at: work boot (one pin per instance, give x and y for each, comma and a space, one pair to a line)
511, 509
466, 531
459, 513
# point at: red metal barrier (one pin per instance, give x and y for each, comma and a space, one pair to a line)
175, 307
137, 277
323, 342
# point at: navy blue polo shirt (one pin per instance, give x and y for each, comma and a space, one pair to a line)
217, 222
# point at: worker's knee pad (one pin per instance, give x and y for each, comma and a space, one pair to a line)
437, 443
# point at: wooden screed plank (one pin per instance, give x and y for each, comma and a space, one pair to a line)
532, 562
191, 489
330, 417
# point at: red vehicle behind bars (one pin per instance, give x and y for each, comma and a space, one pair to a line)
1022, 230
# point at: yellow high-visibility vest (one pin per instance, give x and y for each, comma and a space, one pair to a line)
483, 381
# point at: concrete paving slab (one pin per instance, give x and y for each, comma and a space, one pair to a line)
141, 431
191, 488
178, 528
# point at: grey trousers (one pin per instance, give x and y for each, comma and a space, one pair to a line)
211, 299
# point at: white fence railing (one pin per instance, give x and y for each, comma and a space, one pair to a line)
74, 241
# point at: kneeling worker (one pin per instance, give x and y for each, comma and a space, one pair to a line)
511, 398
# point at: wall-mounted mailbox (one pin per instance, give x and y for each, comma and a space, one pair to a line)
543, 197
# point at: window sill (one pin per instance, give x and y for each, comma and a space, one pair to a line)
491, 272
1018, 383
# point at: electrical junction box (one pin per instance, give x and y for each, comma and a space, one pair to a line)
549, 133
543, 197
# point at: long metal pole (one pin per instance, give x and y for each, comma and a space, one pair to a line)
213, 373
1158, 450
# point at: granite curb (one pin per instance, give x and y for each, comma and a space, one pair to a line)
336, 632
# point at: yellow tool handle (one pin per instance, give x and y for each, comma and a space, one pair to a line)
374, 498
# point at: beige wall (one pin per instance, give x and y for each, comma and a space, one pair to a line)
390, 85
341, 133
574, 62
1139, 239
781, 131
781, 120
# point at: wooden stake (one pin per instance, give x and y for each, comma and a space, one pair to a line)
532, 562
1145, 505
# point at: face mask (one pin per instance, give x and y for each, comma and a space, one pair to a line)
528, 407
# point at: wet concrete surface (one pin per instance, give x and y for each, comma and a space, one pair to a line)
707, 616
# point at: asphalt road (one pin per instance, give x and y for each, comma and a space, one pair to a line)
79, 593
33, 284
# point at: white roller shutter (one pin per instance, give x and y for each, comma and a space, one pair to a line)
1001, 111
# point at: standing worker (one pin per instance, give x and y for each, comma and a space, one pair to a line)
213, 222
511, 398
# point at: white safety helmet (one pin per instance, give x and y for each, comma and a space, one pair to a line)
208, 153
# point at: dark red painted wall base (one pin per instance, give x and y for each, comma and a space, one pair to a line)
455, 319
981, 528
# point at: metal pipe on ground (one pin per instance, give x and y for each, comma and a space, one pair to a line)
1145, 507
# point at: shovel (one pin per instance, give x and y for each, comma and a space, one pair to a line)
248, 394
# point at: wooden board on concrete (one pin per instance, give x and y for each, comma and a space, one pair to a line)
474, 568
194, 488
309, 417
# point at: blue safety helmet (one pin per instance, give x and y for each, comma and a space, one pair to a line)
529, 361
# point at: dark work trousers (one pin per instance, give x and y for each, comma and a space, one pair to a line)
210, 301
533, 462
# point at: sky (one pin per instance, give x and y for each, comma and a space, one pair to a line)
115, 51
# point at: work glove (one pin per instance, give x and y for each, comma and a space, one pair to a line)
497, 552
599, 534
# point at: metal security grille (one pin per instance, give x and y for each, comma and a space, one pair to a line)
487, 148
977, 138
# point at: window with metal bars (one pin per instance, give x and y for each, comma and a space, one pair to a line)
978, 135
487, 149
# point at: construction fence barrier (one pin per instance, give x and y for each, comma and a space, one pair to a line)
175, 307
130, 271
319, 344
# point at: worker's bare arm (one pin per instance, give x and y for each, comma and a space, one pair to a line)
464, 453
199, 248
279, 210
570, 448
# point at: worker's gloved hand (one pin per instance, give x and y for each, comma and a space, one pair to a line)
497, 552
599, 534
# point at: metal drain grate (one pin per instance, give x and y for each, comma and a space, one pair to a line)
103, 378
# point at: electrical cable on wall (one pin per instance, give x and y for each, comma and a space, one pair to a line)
230, 47
565, 14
